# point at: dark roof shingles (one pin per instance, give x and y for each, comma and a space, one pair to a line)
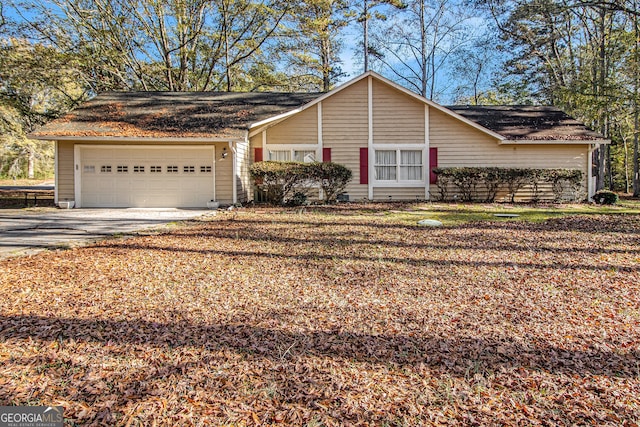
173, 114
525, 122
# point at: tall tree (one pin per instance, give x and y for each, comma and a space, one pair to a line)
420, 41
312, 42
157, 45
366, 14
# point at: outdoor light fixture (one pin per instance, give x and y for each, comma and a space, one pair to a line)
225, 153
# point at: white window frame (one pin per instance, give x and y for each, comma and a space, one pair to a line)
397, 148
291, 148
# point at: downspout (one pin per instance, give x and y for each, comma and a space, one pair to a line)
590, 191
234, 165
55, 174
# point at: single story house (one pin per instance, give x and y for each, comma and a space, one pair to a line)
166, 149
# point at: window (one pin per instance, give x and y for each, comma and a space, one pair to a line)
189, 169
205, 169
155, 169
410, 165
123, 169
172, 169
386, 167
305, 156
138, 169
280, 155
398, 165
89, 169
105, 169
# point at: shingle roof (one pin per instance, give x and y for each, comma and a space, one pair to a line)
172, 114
526, 122
227, 115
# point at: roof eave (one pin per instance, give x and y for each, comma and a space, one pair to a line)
173, 139
553, 141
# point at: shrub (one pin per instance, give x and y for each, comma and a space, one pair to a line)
290, 182
564, 178
605, 197
333, 178
492, 179
280, 180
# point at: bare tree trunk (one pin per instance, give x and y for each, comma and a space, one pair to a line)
366, 36
423, 50
636, 118
31, 164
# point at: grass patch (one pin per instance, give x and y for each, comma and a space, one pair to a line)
456, 214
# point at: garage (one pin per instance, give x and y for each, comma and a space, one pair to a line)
144, 176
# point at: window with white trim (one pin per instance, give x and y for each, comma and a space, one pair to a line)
89, 169
292, 155
155, 169
398, 165
105, 169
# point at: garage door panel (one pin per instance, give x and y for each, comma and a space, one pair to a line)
137, 186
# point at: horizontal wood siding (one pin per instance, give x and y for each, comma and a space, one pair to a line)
397, 118
460, 145
243, 179
345, 131
224, 175
254, 142
65, 178
301, 128
401, 193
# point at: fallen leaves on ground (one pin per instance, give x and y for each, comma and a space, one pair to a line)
331, 318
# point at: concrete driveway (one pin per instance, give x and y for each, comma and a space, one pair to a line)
24, 231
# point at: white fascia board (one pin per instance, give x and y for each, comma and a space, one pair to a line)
176, 140
554, 141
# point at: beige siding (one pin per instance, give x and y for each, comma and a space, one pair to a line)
301, 128
461, 145
345, 131
254, 142
397, 118
224, 175
403, 193
243, 179
65, 177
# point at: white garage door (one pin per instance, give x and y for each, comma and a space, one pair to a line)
146, 177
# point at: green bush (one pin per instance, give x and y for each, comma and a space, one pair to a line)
605, 197
492, 179
333, 178
290, 182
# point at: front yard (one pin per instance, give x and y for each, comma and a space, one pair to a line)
332, 317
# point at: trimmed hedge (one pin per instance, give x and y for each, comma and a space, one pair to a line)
493, 179
290, 182
605, 197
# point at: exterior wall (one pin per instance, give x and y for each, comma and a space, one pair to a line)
66, 166
243, 179
460, 145
345, 129
397, 118
301, 128
394, 194
64, 180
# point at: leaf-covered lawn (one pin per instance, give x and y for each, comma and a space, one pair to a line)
332, 318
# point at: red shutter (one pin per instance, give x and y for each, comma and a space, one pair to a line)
326, 154
258, 154
364, 166
433, 163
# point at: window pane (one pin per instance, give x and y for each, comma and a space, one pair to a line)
280, 156
304, 156
411, 173
385, 173
385, 157
411, 157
